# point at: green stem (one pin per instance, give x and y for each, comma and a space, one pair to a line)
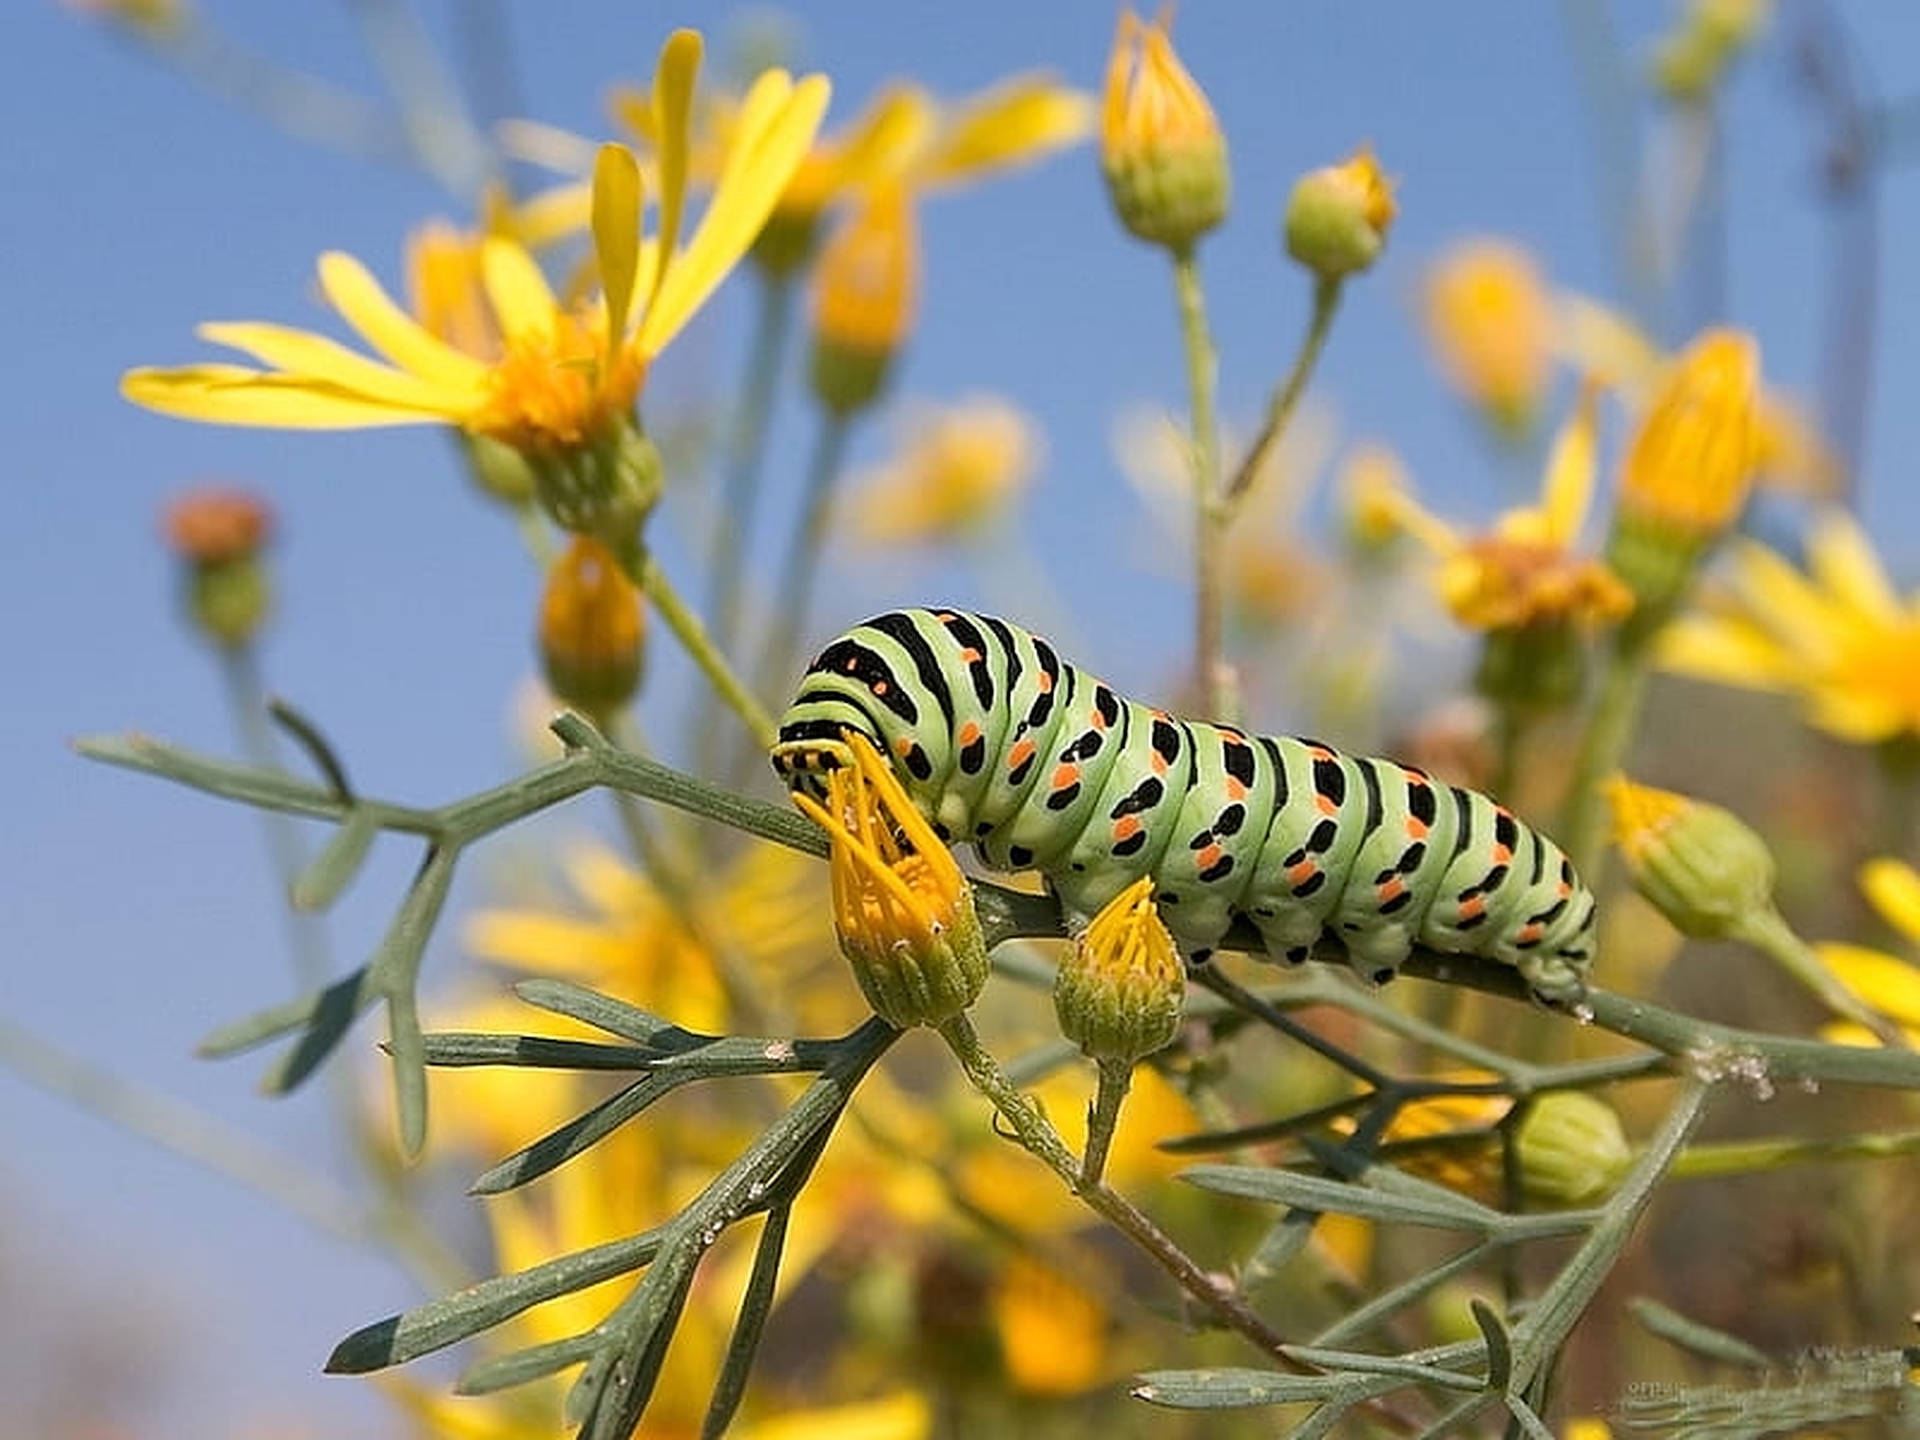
1037, 1135
646, 573
1116, 1078
1768, 932
1510, 726
1749, 1157
1326, 303
1602, 750
1209, 511
1899, 797
802, 563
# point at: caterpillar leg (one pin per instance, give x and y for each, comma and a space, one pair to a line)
1376, 954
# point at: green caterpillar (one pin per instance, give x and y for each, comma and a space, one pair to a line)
1043, 767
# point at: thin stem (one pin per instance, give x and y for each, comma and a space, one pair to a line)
802, 563
1116, 1077
1602, 750
746, 462
1326, 303
1037, 1134
646, 573
1209, 511
1768, 932
1510, 726
1749, 1157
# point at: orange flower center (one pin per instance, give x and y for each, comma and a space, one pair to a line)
555, 390
1507, 582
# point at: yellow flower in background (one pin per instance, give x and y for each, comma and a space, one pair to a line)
1692, 457
1490, 318
1053, 1332
866, 290
1835, 635
1161, 148
592, 625
1525, 570
563, 373
655, 949
1887, 983
958, 468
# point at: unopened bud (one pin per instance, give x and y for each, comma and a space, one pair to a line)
1572, 1149
591, 629
1161, 148
865, 292
218, 535
1699, 865
1118, 994
1338, 217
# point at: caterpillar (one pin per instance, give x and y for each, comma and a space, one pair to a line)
1041, 766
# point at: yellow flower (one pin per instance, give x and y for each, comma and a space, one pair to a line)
591, 627
1053, 1332
641, 944
562, 374
1161, 148
1836, 636
903, 910
866, 289
1490, 319
957, 469
1691, 460
1118, 992
1524, 571
151, 19
1887, 983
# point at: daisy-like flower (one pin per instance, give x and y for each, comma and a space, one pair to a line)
1524, 571
1836, 635
958, 468
1889, 984
564, 378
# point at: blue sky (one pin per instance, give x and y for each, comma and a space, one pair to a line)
139, 916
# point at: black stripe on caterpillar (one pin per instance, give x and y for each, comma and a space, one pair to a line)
1041, 766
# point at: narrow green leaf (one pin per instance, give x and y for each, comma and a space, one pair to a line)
349, 996
503, 1372
557, 1147
1312, 1192
756, 1303
334, 868
612, 1394
267, 789
1499, 1346
603, 1012
1535, 1427
1232, 1389
459, 1048
309, 737
408, 1052
452, 1318
1688, 1334
1400, 1367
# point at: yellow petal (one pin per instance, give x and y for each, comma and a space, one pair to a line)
673, 85
1023, 119
616, 233
301, 355
778, 123
1887, 983
1728, 652
1781, 598
1892, 887
363, 304
235, 395
552, 215
605, 881
1603, 343
522, 301
890, 135
903, 1416
547, 944
1568, 487
1862, 717
1840, 558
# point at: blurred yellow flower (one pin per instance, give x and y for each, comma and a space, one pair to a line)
1053, 1333
1490, 320
1692, 457
1524, 571
591, 627
957, 469
563, 374
1888, 984
866, 289
1836, 636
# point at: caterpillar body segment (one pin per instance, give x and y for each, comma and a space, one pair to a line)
1040, 765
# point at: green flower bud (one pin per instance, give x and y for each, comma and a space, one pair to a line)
219, 535
1572, 1149
1699, 865
1338, 217
1161, 149
1118, 995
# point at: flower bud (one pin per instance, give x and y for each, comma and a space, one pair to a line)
604, 487
218, 534
1338, 217
1572, 1149
1687, 472
499, 470
865, 292
1118, 994
591, 628
903, 911
1161, 148
1698, 864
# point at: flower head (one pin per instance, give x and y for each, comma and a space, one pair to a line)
903, 910
1701, 866
1691, 461
1837, 636
866, 290
1338, 217
562, 376
1161, 148
1490, 319
591, 626
957, 470
1118, 993
218, 534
